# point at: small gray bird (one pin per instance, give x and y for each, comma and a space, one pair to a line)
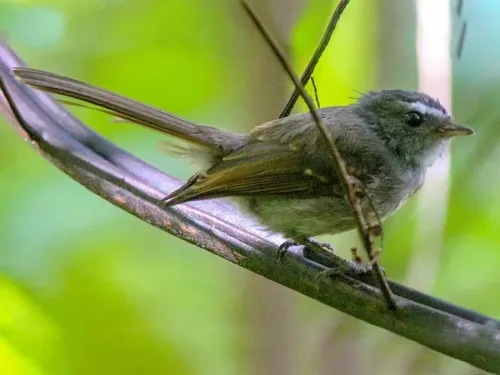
282, 171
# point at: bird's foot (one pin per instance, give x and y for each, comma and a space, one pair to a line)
343, 267
336, 265
283, 248
368, 267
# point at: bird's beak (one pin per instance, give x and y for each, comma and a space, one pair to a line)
453, 130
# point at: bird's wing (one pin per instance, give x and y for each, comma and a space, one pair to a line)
257, 169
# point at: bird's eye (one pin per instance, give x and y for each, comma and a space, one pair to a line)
414, 119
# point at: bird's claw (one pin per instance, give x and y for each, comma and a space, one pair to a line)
283, 248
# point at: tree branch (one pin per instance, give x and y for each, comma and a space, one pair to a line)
216, 226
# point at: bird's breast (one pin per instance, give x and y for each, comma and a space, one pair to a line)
391, 192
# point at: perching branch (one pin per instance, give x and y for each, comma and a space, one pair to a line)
216, 226
306, 76
339, 169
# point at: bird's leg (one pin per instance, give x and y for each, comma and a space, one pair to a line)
357, 259
337, 265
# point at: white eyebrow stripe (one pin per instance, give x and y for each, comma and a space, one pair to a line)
426, 110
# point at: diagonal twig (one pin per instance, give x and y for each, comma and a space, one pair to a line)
461, 39
338, 163
460, 6
463, 29
306, 76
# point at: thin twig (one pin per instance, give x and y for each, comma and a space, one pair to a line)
461, 40
316, 96
463, 29
460, 5
219, 228
316, 56
339, 165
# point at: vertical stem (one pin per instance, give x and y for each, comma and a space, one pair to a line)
434, 73
269, 309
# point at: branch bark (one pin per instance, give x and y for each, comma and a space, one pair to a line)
216, 226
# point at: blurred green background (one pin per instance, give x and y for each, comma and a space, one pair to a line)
88, 289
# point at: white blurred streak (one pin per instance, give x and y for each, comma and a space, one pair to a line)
434, 70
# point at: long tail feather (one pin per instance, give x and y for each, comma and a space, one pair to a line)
132, 110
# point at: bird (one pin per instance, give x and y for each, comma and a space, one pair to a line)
281, 172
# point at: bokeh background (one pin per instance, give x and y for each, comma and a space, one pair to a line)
88, 289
